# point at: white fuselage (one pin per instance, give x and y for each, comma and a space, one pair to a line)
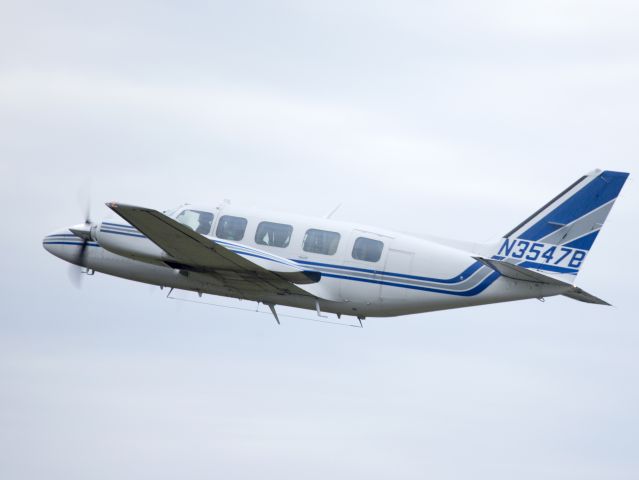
411, 275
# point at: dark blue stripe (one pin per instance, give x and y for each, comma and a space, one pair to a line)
550, 268
367, 280
70, 237
230, 246
602, 189
70, 243
462, 276
480, 287
118, 225
260, 256
104, 230
585, 242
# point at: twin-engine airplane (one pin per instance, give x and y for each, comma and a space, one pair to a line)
343, 268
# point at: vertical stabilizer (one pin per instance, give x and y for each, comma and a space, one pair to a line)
557, 238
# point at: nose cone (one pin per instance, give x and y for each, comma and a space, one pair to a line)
63, 244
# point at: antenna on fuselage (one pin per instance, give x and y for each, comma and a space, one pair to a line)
330, 214
272, 307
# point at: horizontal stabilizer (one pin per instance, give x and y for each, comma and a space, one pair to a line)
516, 272
582, 296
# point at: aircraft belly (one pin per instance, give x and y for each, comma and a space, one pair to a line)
231, 285
501, 290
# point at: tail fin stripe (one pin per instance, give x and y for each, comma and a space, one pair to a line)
529, 219
557, 237
581, 226
585, 242
596, 193
550, 268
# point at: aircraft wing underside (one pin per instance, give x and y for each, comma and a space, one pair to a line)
238, 268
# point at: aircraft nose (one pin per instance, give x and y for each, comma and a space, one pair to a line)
62, 243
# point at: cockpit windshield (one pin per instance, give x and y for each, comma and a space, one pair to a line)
172, 211
197, 220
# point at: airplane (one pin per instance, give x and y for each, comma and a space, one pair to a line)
344, 268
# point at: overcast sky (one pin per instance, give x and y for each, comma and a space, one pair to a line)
450, 118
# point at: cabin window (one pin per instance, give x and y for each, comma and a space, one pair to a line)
320, 241
196, 220
273, 234
231, 228
367, 249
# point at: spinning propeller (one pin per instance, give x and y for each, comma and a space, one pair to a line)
82, 231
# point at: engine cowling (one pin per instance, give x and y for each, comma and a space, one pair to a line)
127, 241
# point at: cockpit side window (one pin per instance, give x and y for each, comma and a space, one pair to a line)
197, 220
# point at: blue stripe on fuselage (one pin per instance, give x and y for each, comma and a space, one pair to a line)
480, 287
550, 268
88, 244
462, 276
121, 225
138, 235
485, 283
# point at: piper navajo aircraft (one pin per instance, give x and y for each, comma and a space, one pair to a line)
343, 268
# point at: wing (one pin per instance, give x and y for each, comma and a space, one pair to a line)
239, 267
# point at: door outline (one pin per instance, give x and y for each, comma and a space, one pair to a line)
397, 261
348, 287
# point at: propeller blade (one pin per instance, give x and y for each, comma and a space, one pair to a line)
75, 270
75, 276
82, 231
84, 201
79, 258
87, 214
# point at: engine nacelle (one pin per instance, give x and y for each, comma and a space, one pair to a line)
127, 241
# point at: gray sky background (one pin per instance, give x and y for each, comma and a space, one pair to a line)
450, 118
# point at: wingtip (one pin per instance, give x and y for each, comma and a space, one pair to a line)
581, 295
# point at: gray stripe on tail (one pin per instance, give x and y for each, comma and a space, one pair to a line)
578, 228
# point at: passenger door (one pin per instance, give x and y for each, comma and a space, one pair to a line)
398, 262
363, 277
